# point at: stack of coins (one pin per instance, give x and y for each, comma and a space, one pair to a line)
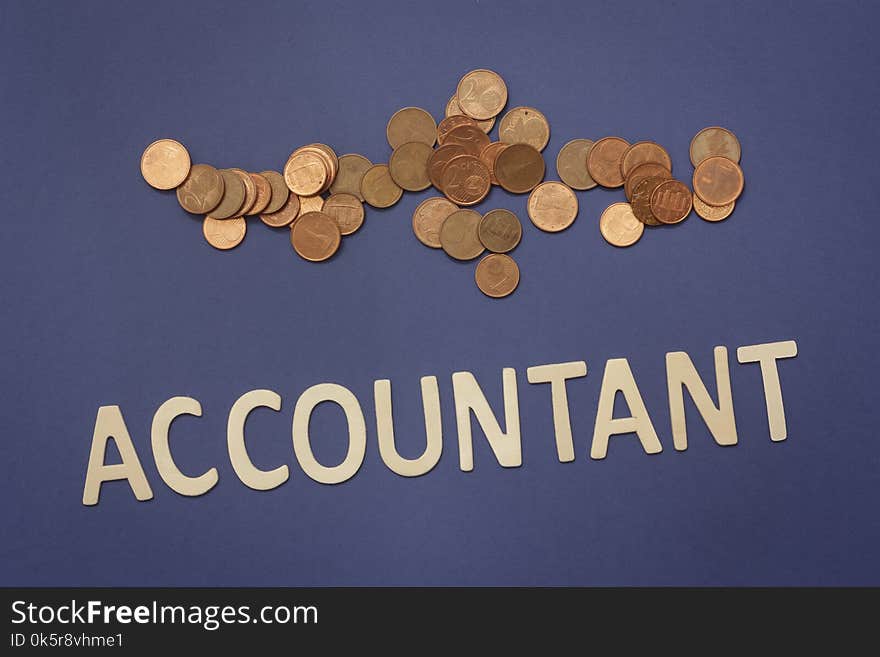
718, 180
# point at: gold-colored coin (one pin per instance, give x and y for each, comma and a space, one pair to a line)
347, 210
285, 215
352, 168
429, 217
311, 204
438, 161
465, 180
481, 94
712, 141
331, 155
489, 155
408, 166
306, 172
619, 225
519, 168
264, 193
497, 275
641, 200
500, 230
642, 152
524, 125
165, 164
411, 124
378, 188
571, 164
202, 190
450, 123
224, 234
315, 236
250, 192
712, 212
453, 109
641, 172
459, 236
552, 206
233, 195
718, 180
603, 161
469, 137
671, 202
279, 191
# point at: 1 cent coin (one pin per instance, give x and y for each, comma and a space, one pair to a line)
712, 212
497, 275
224, 234
671, 202
619, 225
306, 172
411, 124
352, 168
519, 168
712, 141
429, 217
279, 191
641, 172
285, 215
603, 161
347, 210
233, 195
465, 180
571, 164
408, 165
489, 155
552, 206
165, 164
378, 188
642, 152
718, 180
264, 193
315, 236
250, 192
641, 200
481, 94
311, 204
524, 125
500, 230
202, 190
459, 236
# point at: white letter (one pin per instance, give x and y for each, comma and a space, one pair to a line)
681, 373
468, 397
357, 433
250, 475
109, 424
556, 375
618, 376
766, 355
171, 474
385, 429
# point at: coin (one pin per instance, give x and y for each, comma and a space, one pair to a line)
619, 225
352, 168
408, 166
411, 124
571, 164
347, 210
524, 125
264, 193
469, 137
603, 161
331, 154
280, 191
552, 206
310, 204
641, 200
714, 141
224, 234
712, 212
453, 109
465, 180
500, 230
328, 157
497, 275
642, 152
488, 156
519, 168
646, 170
450, 123
306, 172
378, 189
202, 190
459, 237
718, 181
438, 161
429, 216
481, 94
233, 195
250, 191
165, 164
671, 202
285, 215
315, 236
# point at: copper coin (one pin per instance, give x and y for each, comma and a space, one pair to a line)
712, 212
619, 225
671, 202
481, 94
641, 200
202, 190
347, 210
331, 154
459, 237
552, 206
641, 172
524, 125
408, 166
451, 122
465, 180
712, 141
571, 164
352, 168
438, 161
500, 230
165, 164
285, 215
233, 195
328, 157
411, 124
428, 217
469, 137
310, 204
497, 275
250, 191
224, 234
306, 172
603, 161
315, 236
280, 191
378, 188
453, 109
489, 155
718, 181
264, 193
519, 168
642, 152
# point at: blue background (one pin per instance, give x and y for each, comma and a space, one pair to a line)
111, 296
